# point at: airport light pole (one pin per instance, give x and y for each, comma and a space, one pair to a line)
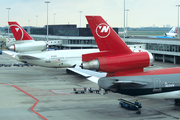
8, 20
47, 17
178, 21
28, 22
127, 21
80, 18
124, 19
54, 19
36, 20
29, 25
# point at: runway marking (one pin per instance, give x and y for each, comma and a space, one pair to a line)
63, 92
32, 108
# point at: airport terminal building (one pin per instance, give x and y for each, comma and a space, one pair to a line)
165, 50
64, 30
71, 37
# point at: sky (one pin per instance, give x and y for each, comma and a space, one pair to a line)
142, 13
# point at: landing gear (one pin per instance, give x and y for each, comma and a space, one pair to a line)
177, 101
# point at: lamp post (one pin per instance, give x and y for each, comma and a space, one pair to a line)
124, 19
8, 20
178, 21
29, 26
47, 17
54, 19
127, 20
80, 18
28, 22
36, 20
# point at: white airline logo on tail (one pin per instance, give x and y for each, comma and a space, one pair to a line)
103, 30
16, 27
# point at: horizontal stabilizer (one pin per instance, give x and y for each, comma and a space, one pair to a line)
88, 74
77, 71
11, 53
93, 79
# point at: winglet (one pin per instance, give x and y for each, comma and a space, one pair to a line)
18, 32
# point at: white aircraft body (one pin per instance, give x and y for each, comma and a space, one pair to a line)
172, 32
55, 59
30, 51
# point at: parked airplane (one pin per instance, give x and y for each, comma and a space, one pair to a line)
54, 59
171, 35
172, 32
122, 32
24, 42
124, 68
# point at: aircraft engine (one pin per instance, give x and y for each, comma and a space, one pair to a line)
28, 46
110, 64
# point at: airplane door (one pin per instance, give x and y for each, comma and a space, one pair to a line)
157, 87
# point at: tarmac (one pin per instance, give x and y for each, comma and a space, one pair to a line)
36, 93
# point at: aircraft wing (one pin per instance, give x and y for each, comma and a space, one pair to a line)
95, 76
12, 53
88, 74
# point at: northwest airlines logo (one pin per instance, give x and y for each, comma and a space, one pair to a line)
18, 32
103, 30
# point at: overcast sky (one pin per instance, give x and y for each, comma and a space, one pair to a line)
142, 13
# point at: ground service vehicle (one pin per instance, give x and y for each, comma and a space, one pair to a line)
129, 105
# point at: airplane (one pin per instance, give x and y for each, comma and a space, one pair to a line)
124, 68
171, 33
31, 53
24, 42
122, 32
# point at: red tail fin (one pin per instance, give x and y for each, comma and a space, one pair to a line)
18, 32
175, 31
115, 57
106, 38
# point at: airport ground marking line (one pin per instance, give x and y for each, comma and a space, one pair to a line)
32, 108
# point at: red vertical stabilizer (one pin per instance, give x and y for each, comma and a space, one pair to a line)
18, 32
106, 38
115, 57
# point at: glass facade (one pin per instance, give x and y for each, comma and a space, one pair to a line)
39, 31
158, 47
64, 30
162, 47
